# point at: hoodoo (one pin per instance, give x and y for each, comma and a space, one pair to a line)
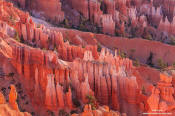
87, 57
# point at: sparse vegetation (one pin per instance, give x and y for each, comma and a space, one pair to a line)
148, 37
83, 46
22, 39
76, 102
121, 54
161, 64
12, 20
173, 65
66, 23
99, 47
172, 40
38, 26
74, 112
62, 112
11, 74
143, 90
32, 113
132, 52
55, 48
17, 36
50, 113
44, 49
66, 38
82, 25
149, 60
92, 101
136, 63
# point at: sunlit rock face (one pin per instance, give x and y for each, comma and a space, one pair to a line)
51, 9
58, 68
162, 95
104, 110
126, 18
11, 108
47, 79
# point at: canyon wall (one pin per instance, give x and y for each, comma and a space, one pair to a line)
49, 10
142, 48
59, 67
129, 46
110, 16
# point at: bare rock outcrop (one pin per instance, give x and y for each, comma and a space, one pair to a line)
10, 108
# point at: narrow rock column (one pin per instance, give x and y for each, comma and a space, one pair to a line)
13, 97
50, 99
2, 99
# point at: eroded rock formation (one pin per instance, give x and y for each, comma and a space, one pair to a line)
11, 108
50, 10
101, 111
161, 99
55, 72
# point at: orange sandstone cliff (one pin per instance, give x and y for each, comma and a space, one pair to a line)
65, 72
11, 108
